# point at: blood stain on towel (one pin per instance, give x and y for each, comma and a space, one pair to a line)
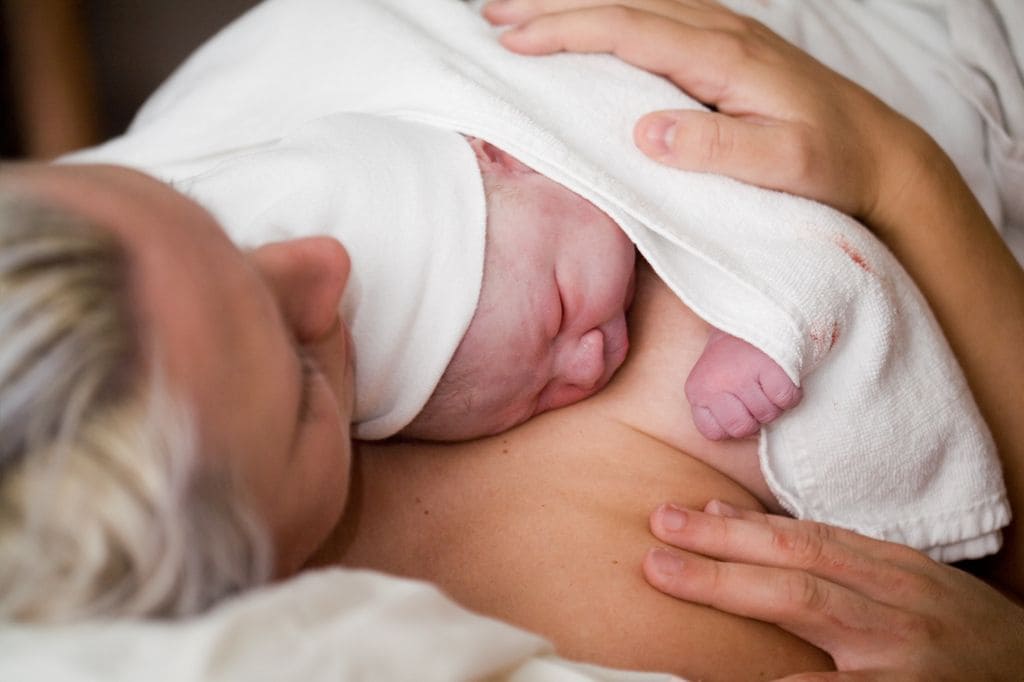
854, 254
825, 338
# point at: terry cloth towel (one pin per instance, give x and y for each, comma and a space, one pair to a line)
887, 440
322, 626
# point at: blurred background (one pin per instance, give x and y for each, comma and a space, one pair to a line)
73, 72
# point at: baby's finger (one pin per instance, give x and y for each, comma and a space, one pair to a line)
786, 543
733, 415
758, 404
778, 388
706, 423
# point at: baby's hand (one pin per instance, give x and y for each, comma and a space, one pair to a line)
734, 388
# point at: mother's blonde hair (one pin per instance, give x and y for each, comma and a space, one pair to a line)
106, 508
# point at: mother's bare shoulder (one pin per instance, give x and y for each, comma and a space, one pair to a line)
545, 527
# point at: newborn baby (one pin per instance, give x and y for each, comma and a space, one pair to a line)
550, 324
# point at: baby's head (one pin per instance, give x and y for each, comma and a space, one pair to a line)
550, 325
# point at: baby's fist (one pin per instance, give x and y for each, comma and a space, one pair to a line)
734, 388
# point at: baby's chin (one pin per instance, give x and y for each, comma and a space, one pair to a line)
445, 421
463, 427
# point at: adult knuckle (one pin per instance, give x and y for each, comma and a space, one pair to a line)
917, 630
802, 592
713, 143
720, 17
804, 545
754, 28
717, 583
800, 155
905, 555
625, 17
748, 38
753, 40
739, 24
732, 46
914, 586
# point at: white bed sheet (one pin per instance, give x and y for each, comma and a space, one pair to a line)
327, 625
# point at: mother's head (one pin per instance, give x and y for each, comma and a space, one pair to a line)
173, 412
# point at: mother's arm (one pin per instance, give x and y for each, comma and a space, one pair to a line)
785, 121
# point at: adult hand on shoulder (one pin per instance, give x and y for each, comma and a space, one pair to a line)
781, 119
882, 611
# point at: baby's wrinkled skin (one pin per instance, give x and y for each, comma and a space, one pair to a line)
550, 325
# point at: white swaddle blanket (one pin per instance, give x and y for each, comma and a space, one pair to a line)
887, 440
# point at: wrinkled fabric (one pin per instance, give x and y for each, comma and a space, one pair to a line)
322, 626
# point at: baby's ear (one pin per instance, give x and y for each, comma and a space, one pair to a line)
491, 158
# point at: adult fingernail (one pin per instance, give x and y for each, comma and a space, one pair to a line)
660, 133
672, 518
665, 562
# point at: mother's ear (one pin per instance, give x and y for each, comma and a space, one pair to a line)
491, 158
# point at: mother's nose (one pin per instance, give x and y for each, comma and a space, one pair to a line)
581, 362
307, 277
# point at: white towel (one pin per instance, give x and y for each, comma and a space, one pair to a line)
887, 440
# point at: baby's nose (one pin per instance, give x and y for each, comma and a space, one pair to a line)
582, 363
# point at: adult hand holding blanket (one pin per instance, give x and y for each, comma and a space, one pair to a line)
806, 285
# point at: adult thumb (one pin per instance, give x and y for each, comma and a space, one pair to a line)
711, 142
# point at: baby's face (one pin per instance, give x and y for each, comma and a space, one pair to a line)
550, 326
